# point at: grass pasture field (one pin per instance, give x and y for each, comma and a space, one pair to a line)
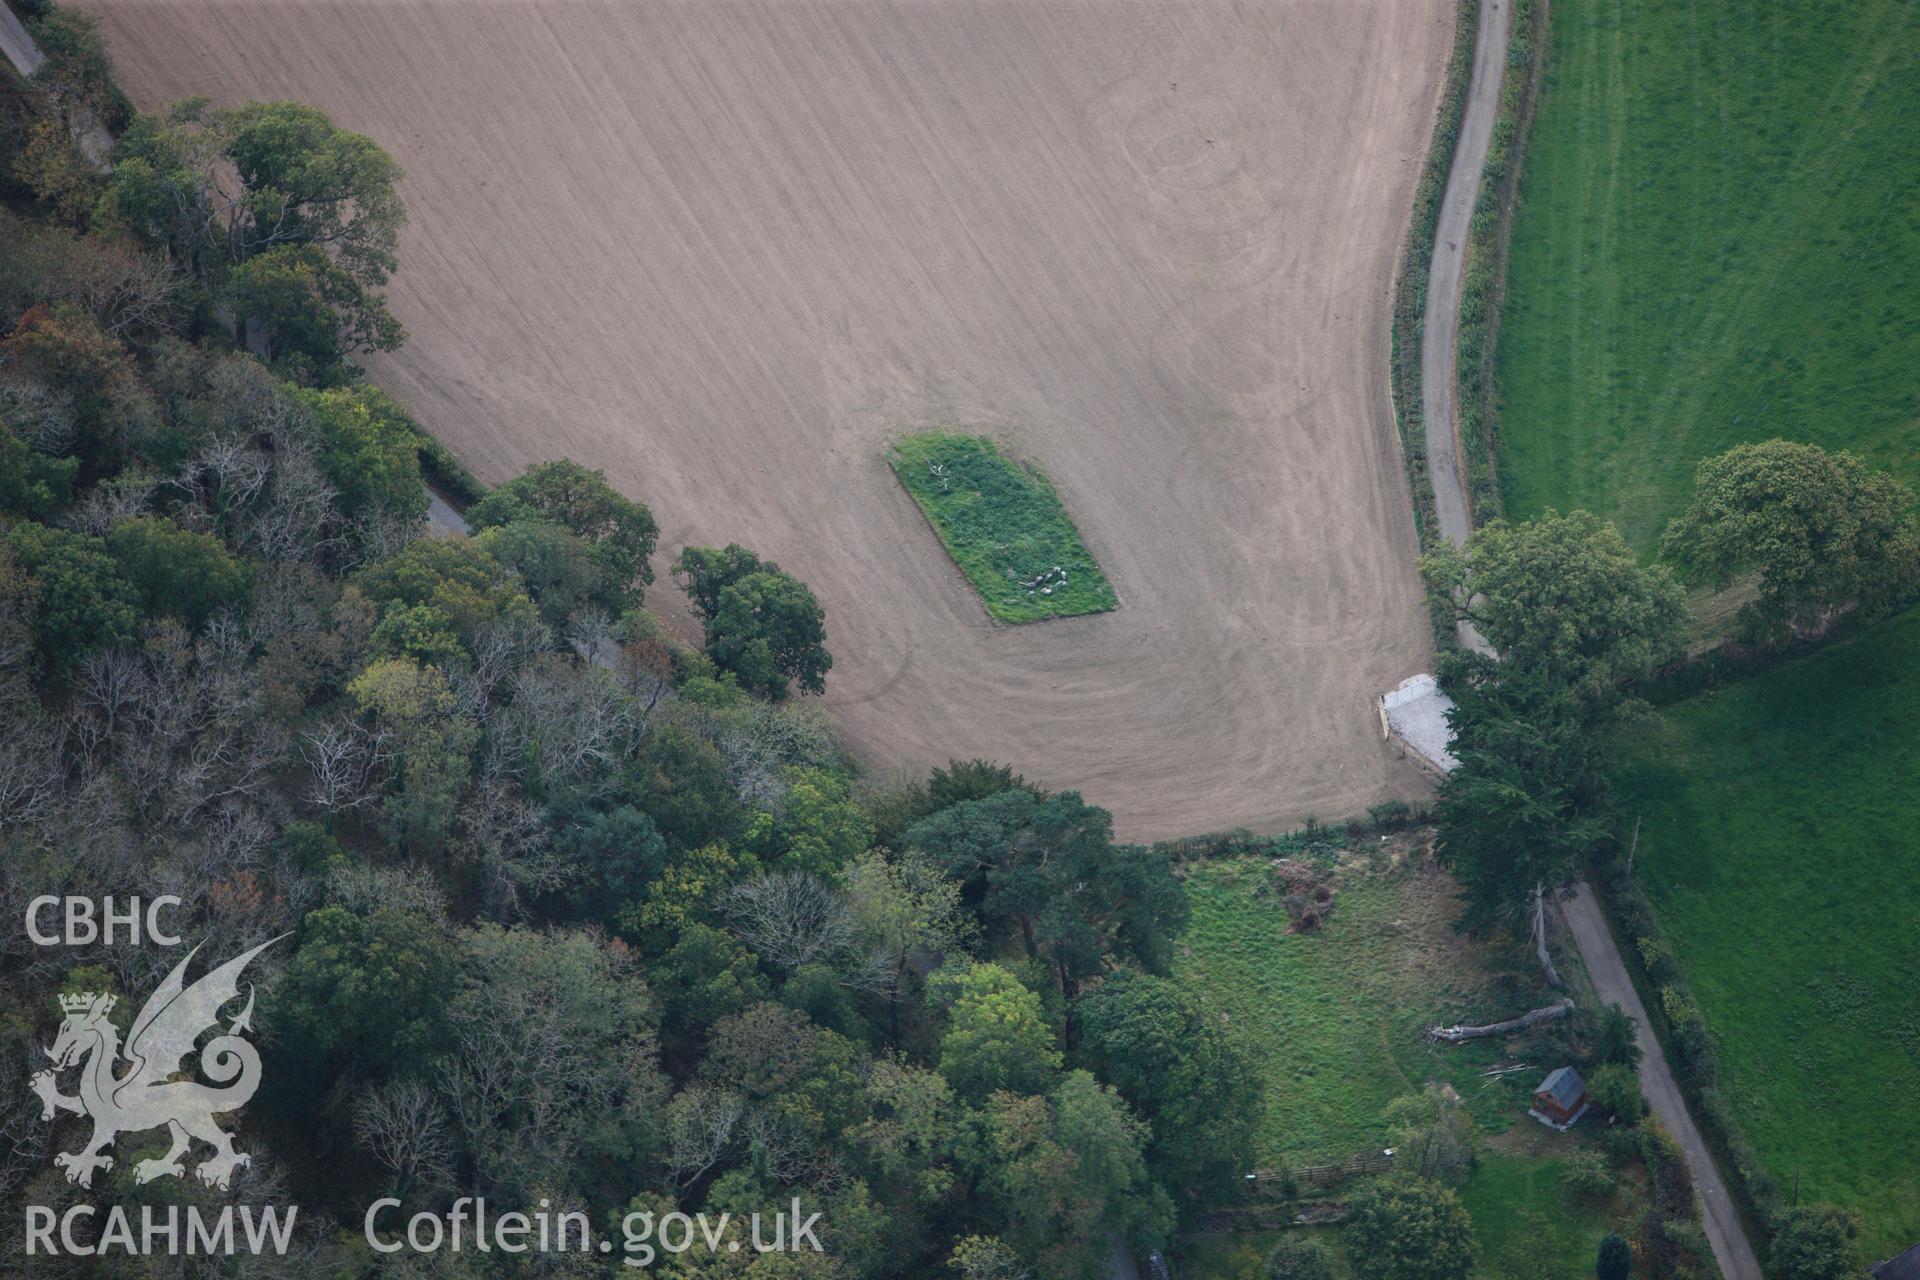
728, 251
1001, 521
1719, 241
1338, 1015
1337, 1019
1781, 841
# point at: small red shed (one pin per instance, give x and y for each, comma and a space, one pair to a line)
1560, 1100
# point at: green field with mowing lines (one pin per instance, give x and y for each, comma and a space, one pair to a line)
1336, 1019
1003, 524
1781, 841
1719, 241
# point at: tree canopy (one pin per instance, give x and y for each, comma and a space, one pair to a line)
996, 1037
1525, 803
1614, 1261
1405, 1228
1565, 594
1815, 1242
1046, 869
178, 573
1295, 1257
298, 217
1821, 532
762, 625
1173, 1060
620, 532
80, 599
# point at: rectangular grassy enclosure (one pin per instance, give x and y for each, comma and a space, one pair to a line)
1003, 524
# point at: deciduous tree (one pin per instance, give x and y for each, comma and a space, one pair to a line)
1409, 1229
31, 483
80, 598
996, 1036
178, 573
762, 624
1564, 594
365, 991
1815, 1242
1822, 531
1047, 867
1432, 1134
311, 312
1297, 1258
620, 531
370, 452
555, 1057
1151, 1038
431, 740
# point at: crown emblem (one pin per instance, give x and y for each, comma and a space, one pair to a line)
83, 1001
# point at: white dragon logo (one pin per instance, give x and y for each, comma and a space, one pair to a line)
145, 1096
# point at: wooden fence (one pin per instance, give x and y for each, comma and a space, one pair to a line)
1273, 1182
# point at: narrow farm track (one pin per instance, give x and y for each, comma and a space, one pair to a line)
1725, 1232
1440, 327
1732, 1251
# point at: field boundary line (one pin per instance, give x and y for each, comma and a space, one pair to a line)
1411, 281
1440, 324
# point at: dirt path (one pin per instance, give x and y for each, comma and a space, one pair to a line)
727, 250
1731, 1248
1440, 329
17, 44
95, 142
1439, 387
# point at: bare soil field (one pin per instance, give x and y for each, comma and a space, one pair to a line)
727, 250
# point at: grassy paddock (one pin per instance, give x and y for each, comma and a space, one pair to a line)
1529, 1225
1336, 1017
1780, 841
1716, 243
1003, 525
1336, 1020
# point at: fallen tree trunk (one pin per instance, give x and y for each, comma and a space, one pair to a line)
1540, 938
1457, 1035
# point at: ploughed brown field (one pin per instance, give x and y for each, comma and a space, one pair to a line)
727, 250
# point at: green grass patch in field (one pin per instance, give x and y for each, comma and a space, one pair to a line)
1780, 841
1003, 524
